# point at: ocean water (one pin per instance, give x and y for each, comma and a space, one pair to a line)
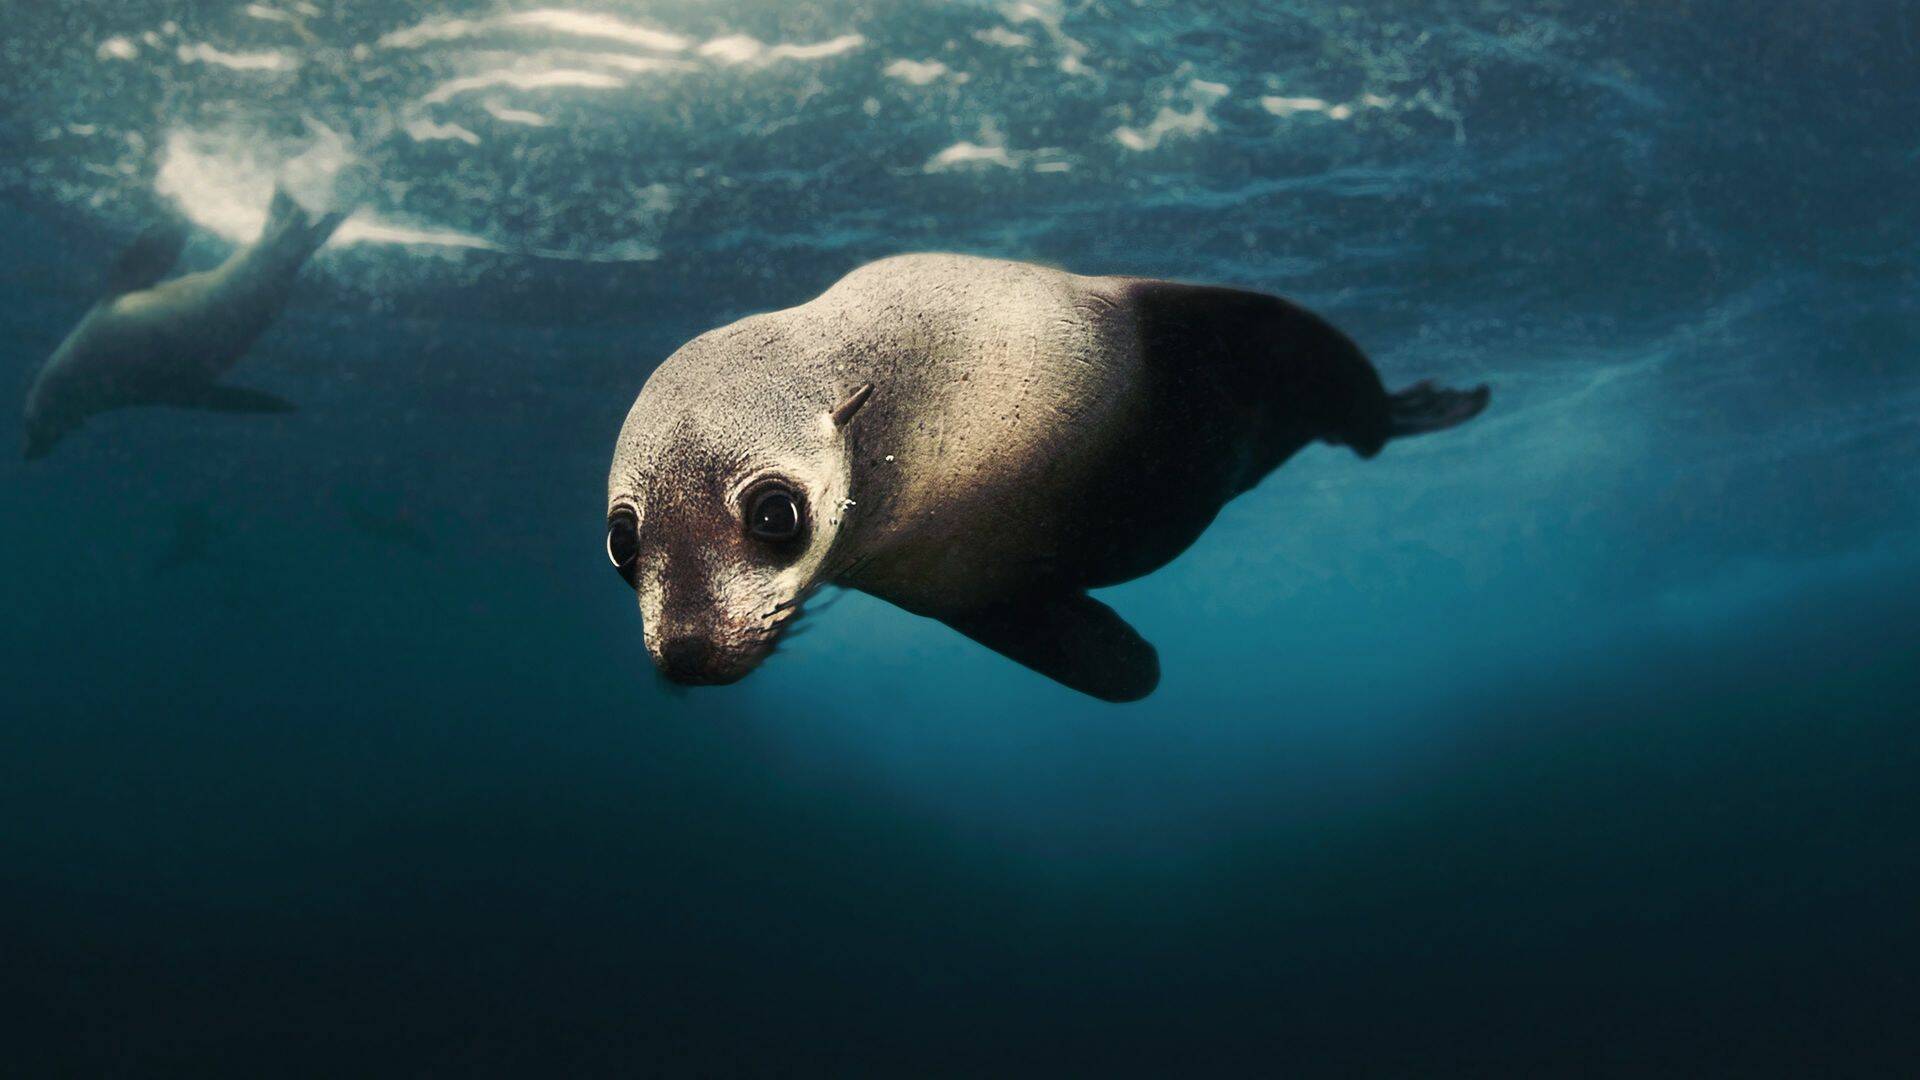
1582, 740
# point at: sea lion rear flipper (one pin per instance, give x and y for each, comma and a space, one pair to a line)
292, 229
216, 397
147, 259
1424, 407
1074, 640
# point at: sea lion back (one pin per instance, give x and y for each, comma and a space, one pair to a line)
1001, 392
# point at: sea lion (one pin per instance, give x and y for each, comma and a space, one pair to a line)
976, 441
145, 343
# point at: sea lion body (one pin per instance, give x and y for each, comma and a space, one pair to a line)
147, 342
1030, 434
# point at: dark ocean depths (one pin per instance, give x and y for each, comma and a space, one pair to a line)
1582, 740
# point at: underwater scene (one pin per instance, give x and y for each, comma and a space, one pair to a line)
1580, 739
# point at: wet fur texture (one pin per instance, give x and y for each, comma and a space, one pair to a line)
1030, 434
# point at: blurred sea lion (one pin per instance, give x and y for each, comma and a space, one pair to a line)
194, 530
145, 342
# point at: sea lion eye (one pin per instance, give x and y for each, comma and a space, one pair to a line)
774, 516
623, 543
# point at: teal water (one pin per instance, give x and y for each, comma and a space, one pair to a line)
1581, 740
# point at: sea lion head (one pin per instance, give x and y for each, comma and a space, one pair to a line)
727, 493
45, 422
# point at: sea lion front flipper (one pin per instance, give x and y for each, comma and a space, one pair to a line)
216, 397
1074, 640
147, 259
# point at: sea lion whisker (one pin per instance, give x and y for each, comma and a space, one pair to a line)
850, 566
829, 603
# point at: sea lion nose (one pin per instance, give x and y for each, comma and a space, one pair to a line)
685, 659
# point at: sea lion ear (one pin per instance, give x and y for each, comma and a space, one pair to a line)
844, 411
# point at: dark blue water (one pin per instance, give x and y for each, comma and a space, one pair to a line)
1581, 740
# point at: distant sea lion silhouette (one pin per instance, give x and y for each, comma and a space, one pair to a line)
145, 343
194, 530
976, 441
